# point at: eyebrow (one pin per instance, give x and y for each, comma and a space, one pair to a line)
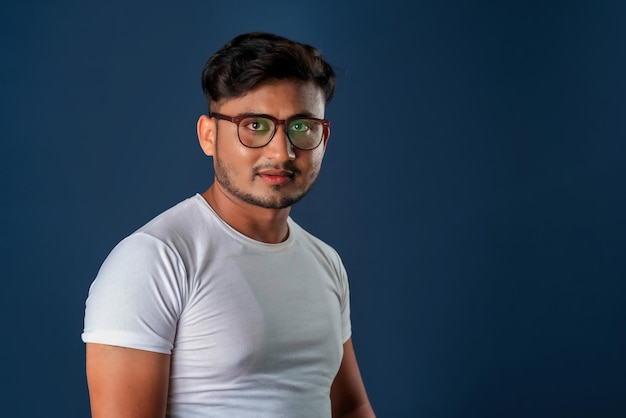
297, 115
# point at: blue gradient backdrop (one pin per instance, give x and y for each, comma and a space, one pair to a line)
474, 185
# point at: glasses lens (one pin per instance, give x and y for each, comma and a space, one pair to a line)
305, 133
256, 131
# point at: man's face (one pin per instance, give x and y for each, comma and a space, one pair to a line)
277, 175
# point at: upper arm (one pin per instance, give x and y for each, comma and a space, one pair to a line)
347, 394
125, 382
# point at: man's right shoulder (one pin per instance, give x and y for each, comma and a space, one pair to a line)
178, 217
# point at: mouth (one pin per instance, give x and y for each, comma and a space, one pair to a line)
276, 177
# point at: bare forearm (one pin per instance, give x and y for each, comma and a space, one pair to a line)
363, 411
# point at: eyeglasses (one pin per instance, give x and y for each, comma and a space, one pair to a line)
256, 131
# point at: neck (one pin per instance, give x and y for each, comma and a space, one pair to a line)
261, 224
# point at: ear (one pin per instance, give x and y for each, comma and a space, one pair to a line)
206, 134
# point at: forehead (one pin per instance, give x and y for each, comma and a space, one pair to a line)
279, 98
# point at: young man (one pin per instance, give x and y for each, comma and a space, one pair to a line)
222, 306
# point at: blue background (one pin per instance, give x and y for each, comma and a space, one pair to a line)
473, 184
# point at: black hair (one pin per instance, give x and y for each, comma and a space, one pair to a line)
251, 59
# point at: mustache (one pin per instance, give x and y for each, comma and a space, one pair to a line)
287, 166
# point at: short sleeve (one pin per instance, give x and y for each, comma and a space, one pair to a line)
346, 324
137, 297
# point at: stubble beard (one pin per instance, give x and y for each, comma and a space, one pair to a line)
223, 176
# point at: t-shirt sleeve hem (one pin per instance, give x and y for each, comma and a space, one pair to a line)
128, 340
347, 334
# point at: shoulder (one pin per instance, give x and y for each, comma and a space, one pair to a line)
179, 217
314, 244
183, 226
175, 236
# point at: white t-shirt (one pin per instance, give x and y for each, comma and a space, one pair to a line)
254, 329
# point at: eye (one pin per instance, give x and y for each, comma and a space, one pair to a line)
257, 124
300, 125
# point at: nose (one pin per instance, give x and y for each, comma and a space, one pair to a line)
280, 146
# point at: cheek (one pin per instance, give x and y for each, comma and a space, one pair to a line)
316, 158
234, 155
314, 164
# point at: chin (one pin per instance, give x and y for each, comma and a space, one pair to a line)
279, 202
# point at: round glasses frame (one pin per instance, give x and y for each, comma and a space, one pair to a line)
277, 122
